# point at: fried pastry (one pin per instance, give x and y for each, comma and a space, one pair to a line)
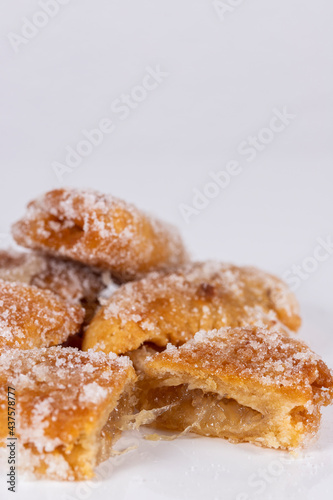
72, 281
99, 230
243, 384
68, 403
30, 317
172, 307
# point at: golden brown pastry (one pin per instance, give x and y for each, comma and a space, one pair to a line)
243, 384
72, 281
99, 230
30, 317
172, 307
68, 403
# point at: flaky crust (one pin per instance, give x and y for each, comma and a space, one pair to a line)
172, 307
63, 398
99, 230
255, 356
30, 317
271, 375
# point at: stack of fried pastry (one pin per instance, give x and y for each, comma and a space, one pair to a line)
105, 318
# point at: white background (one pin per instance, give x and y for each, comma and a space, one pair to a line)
225, 78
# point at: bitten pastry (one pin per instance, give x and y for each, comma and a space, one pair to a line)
72, 281
30, 317
68, 403
99, 230
243, 384
172, 307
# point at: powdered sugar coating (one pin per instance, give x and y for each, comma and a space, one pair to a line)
272, 358
101, 230
30, 317
72, 281
245, 384
62, 394
172, 307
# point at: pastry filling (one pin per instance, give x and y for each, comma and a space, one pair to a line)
87, 451
206, 413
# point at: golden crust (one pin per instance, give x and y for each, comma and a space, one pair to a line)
99, 230
64, 400
30, 317
273, 359
258, 386
172, 307
72, 281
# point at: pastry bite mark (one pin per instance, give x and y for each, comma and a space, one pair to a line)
173, 306
30, 317
243, 384
69, 408
99, 230
72, 281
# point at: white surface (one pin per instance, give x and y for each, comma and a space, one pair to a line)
225, 79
